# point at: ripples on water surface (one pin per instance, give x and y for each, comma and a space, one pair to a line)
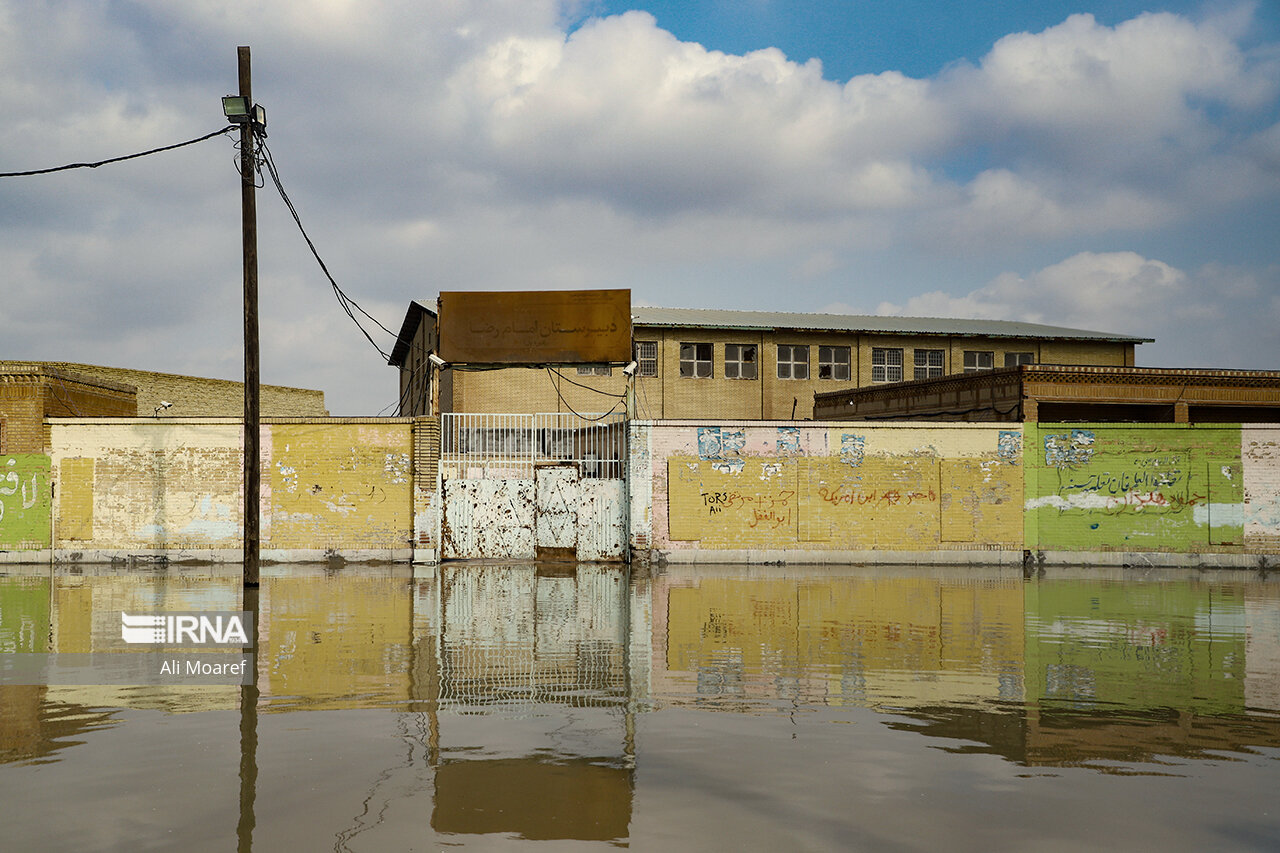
492, 707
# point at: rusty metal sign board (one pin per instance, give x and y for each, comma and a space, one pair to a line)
535, 327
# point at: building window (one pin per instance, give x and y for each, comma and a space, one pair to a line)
975, 360
1013, 359
886, 364
929, 364
595, 370
646, 358
740, 361
695, 360
793, 361
833, 363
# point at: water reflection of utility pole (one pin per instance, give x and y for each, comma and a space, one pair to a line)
249, 733
629, 704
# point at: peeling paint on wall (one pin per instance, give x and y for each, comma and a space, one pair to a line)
853, 449
863, 497
176, 485
1260, 455
1063, 450
1009, 446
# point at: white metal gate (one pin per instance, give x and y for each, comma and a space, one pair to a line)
555, 512
546, 486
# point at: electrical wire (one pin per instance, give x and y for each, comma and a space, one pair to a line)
30, 172
574, 411
951, 413
344, 300
621, 396
63, 400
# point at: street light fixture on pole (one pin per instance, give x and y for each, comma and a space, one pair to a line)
252, 119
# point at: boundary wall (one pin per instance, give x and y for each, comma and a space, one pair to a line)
906, 492
141, 489
365, 489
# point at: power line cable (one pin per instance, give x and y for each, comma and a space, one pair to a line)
575, 411
344, 300
621, 396
30, 172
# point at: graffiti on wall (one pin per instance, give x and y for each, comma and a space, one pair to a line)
1147, 488
875, 489
347, 484
25, 501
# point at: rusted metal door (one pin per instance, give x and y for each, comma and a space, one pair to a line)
556, 499
602, 520
487, 519
545, 486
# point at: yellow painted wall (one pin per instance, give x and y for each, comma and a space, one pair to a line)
340, 486
845, 488
358, 657
148, 484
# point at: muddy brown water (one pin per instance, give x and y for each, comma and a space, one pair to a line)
496, 707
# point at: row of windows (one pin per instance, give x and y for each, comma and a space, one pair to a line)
887, 362
741, 362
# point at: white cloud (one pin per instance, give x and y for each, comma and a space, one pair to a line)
1135, 81
1217, 316
481, 145
1089, 290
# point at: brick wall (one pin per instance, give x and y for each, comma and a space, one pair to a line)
766, 397
21, 414
31, 392
194, 396
1260, 455
819, 487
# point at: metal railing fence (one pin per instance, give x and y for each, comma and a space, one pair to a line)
478, 446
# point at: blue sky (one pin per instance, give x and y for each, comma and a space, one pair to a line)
1111, 166
917, 37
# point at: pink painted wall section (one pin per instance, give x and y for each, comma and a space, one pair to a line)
1260, 456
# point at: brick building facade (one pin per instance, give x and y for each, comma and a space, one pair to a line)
31, 391
694, 363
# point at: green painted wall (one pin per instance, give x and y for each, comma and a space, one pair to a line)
1140, 487
26, 501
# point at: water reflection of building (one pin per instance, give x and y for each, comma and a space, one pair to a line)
547, 650
1051, 671
837, 637
518, 688
34, 726
528, 634
75, 611
336, 639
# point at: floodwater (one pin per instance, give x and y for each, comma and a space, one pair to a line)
496, 707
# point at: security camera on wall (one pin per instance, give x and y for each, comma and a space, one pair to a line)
435, 359
630, 369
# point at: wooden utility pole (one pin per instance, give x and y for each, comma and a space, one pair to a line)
249, 221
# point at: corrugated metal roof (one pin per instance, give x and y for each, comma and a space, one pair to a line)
720, 319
